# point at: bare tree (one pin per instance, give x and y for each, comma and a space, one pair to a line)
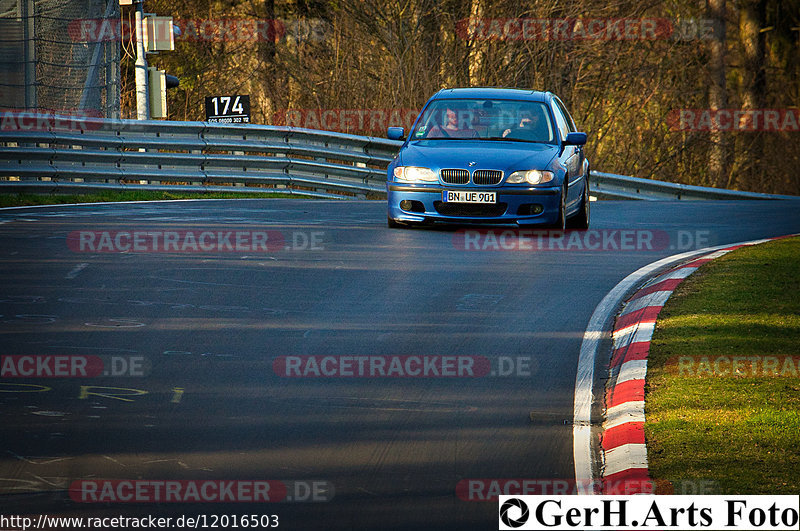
719, 158
394, 54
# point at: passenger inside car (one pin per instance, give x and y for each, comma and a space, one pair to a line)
531, 128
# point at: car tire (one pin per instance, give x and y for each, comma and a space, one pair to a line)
580, 221
561, 222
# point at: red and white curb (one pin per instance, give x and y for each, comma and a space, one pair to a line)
624, 452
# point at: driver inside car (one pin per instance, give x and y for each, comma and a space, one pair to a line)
457, 124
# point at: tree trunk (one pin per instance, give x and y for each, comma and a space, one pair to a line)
752, 18
270, 70
719, 156
430, 73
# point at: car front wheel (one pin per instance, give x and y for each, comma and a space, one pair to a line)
581, 220
561, 221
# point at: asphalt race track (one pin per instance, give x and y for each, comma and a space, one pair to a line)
196, 342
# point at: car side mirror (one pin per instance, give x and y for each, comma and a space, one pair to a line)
575, 139
396, 133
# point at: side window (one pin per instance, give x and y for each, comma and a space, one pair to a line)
561, 122
570, 122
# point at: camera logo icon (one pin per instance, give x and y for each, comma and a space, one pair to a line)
514, 503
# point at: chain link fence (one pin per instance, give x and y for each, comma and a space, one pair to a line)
60, 56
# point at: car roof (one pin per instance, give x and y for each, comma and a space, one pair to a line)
492, 93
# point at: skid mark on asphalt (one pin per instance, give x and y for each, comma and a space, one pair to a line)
116, 323
76, 271
22, 299
477, 301
38, 460
109, 458
29, 318
379, 404
110, 349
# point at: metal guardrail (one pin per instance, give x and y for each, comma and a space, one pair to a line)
611, 186
69, 154
92, 154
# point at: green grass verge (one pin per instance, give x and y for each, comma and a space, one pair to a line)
26, 199
740, 432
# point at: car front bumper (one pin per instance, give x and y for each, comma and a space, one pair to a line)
515, 205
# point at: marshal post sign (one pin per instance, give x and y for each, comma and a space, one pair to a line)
228, 109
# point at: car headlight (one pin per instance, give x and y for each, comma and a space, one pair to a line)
530, 177
414, 174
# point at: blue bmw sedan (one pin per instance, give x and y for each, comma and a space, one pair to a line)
490, 155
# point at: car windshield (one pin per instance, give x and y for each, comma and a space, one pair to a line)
485, 119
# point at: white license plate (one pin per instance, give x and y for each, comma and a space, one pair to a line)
451, 196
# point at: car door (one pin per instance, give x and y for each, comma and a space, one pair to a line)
571, 156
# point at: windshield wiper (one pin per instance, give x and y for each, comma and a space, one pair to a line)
451, 138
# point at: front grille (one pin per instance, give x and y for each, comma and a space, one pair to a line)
455, 176
487, 176
470, 210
